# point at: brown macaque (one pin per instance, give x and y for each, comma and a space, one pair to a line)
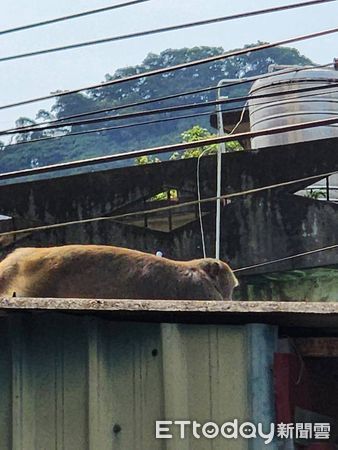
100, 271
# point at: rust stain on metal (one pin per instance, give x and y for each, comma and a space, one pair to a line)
318, 347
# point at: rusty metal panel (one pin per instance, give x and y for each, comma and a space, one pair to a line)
318, 347
73, 382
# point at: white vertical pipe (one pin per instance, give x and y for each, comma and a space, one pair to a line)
220, 150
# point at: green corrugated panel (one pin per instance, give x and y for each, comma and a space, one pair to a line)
49, 383
205, 379
5, 387
126, 388
79, 383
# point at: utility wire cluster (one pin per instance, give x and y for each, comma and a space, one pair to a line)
67, 121
70, 17
147, 32
165, 70
167, 148
184, 205
148, 122
61, 123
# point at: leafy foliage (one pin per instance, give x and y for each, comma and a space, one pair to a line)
315, 194
194, 134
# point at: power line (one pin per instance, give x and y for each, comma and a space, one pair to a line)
53, 125
161, 30
221, 149
167, 208
118, 127
168, 97
62, 124
183, 205
179, 94
148, 122
69, 17
166, 148
172, 68
173, 96
286, 258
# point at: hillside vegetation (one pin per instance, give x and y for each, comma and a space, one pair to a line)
24, 154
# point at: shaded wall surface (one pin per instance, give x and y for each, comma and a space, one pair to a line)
309, 285
76, 382
255, 228
262, 226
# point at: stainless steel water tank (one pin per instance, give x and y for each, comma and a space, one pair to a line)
287, 109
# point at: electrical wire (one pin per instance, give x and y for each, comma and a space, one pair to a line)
118, 127
301, 361
156, 210
240, 119
70, 17
287, 258
200, 217
198, 181
61, 124
182, 94
159, 99
161, 30
167, 148
171, 68
149, 122
174, 207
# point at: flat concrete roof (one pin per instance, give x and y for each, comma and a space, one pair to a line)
285, 314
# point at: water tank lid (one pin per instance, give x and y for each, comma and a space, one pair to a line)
309, 75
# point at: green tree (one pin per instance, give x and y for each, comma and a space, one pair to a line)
141, 160
197, 133
24, 137
194, 134
169, 132
249, 64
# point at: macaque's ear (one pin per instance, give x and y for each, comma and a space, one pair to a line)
212, 268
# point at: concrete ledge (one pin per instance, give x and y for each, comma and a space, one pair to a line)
290, 314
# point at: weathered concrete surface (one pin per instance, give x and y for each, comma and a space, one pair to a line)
255, 228
291, 314
311, 285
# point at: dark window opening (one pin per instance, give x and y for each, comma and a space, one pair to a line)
306, 391
169, 219
324, 189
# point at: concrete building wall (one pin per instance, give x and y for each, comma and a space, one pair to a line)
311, 285
264, 226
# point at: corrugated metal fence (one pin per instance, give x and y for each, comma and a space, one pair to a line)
73, 382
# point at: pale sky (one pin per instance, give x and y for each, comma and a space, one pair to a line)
36, 76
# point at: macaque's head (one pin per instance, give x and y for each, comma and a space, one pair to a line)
221, 276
